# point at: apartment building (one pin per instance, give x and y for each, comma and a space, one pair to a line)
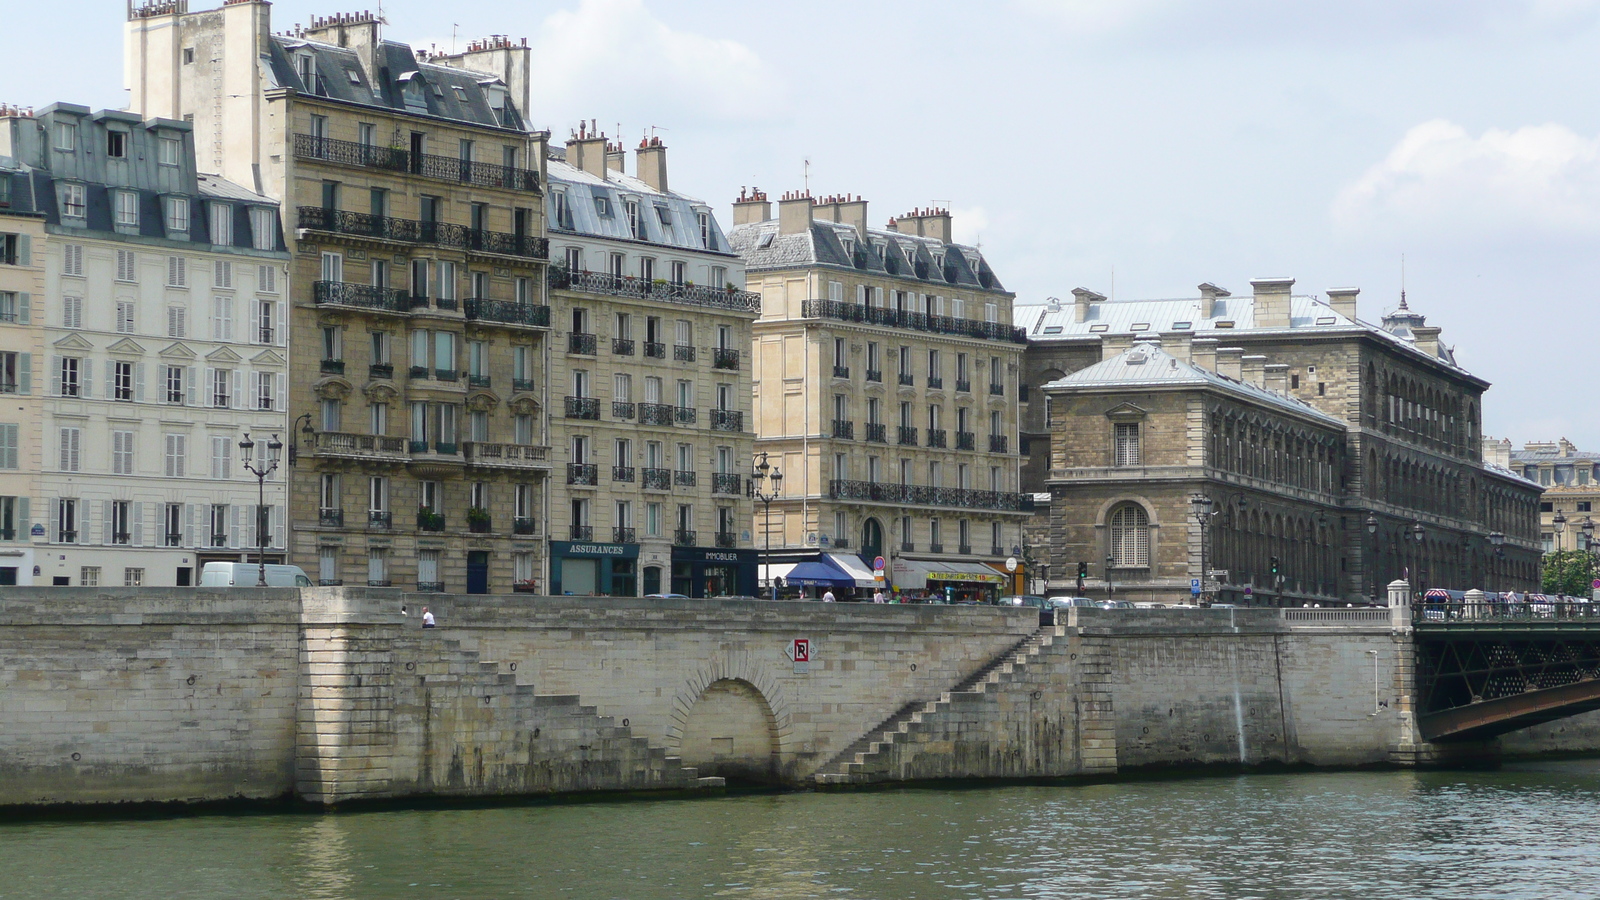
22, 284
886, 378
416, 313
651, 361
1570, 481
153, 355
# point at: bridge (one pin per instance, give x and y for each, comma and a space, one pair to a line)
1485, 668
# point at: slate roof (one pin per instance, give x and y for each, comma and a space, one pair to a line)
883, 253
1553, 455
1504, 472
1146, 365
16, 189
582, 215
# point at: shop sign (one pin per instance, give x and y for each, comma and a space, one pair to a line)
967, 576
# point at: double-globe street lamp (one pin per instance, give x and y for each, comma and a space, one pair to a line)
262, 469
764, 475
1416, 532
1204, 509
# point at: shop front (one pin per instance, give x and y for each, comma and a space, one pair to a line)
946, 581
707, 572
585, 569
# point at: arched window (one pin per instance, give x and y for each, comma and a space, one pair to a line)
1130, 537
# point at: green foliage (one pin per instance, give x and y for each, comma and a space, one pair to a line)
1569, 572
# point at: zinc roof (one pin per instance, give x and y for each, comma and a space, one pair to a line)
583, 215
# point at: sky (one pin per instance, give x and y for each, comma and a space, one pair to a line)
1133, 147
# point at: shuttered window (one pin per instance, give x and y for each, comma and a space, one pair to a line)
1127, 441
8, 446
72, 260
127, 268
222, 274
122, 453
1130, 537
71, 444
177, 271
177, 455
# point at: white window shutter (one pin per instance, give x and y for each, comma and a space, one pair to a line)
188, 525
280, 397
191, 385
85, 376
24, 521
255, 322
276, 516
239, 401
55, 521
105, 521
237, 512
25, 373
111, 380
138, 523
138, 382
210, 385
55, 376
25, 249
24, 306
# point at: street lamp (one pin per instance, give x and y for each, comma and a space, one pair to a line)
1372, 529
1109, 589
1204, 509
263, 469
1560, 523
307, 430
764, 475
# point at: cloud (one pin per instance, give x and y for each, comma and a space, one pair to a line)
1539, 182
614, 58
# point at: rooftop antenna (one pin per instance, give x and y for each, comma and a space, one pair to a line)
454, 26
1403, 281
808, 176
1113, 282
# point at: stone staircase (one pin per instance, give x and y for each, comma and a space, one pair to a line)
852, 764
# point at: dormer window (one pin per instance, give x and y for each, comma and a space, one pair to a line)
461, 92
414, 98
116, 144
602, 206
170, 151
354, 75
305, 65
66, 136
177, 215
127, 208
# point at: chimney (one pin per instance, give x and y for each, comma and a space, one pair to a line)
616, 158
1082, 298
1343, 301
1208, 299
1272, 301
499, 56
923, 222
1230, 362
794, 213
1497, 451
852, 211
1275, 378
587, 151
1567, 448
1203, 353
1253, 369
650, 161
1178, 343
751, 207
1114, 344
1427, 338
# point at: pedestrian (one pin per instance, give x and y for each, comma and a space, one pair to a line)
827, 597
877, 596
427, 618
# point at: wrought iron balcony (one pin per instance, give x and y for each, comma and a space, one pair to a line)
586, 474
727, 420
622, 473
875, 375
524, 525
935, 382
393, 159
478, 381
841, 371
427, 520
621, 409
924, 495
413, 231
421, 372
964, 549
583, 408
935, 547
963, 385
482, 525
907, 379
580, 532
622, 534
997, 389
840, 543
507, 312
894, 318
622, 286
655, 414
328, 367
683, 537
330, 518
430, 587
683, 478
727, 539
418, 301
330, 582
655, 350
683, 415
380, 518
448, 303
726, 483
725, 358
966, 440
908, 547
69, 536
446, 375
446, 448
583, 343
345, 445
657, 479
622, 346
877, 432
173, 539
483, 454
844, 430
381, 371
998, 443
523, 385
265, 334
906, 436
683, 352
996, 550
360, 296
417, 446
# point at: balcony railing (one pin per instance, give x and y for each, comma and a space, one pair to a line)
380, 518
936, 438
448, 303
998, 443
328, 367
907, 379
480, 525
997, 389
265, 334
935, 382
446, 448
726, 483
330, 518
419, 372
622, 286
583, 474
622, 473
840, 543
906, 436
507, 312
392, 159
523, 385
380, 371
935, 547
524, 525
908, 546
963, 385
479, 381
683, 415
655, 350
414, 231
924, 495
580, 532
622, 346
505, 456
725, 358
657, 479
966, 440
683, 352
683, 537
359, 446
430, 587
430, 521
683, 478
173, 539
446, 375
841, 371
996, 550
727, 539
727, 420
894, 318
583, 408
964, 549
583, 343
877, 432
844, 430
875, 375
621, 409
655, 414
621, 534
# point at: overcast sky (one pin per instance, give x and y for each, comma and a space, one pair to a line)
1135, 147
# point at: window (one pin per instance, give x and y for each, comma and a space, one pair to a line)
177, 213
116, 144
219, 525
177, 271
647, 268
1127, 444
66, 136
72, 260
635, 227
679, 272
175, 384
263, 233
379, 418
704, 219
221, 223
72, 201
222, 274
222, 318
221, 457
265, 316
177, 321
1130, 537
719, 276
122, 453
71, 312
127, 208
89, 576
125, 317
264, 394
523, 428
177, 455
170, 150
602, 206
132, 577
127, 266
9, 436
378, 493
267, 279
220, 381
67, 521
652, 519
122, 380
332, 414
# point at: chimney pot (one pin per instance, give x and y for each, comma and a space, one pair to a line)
1253, 369
1343, 301
1272, 301
1081, 299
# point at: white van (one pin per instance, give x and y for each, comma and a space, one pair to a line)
230, 574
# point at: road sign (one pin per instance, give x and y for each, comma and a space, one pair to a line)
1218, 574
1194, 586
1249, 590
802, 650
1595, 583
878, 564
1011, 565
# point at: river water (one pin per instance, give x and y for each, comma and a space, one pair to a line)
1524, 831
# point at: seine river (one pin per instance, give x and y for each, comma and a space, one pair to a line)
1524, 831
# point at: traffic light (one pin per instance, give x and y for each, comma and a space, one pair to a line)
1083, 570
1274, 565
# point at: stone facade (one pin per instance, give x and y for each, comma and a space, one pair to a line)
22, 361
1571, 482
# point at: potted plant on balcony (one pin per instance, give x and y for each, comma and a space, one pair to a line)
429, 520
528, 586
478, 520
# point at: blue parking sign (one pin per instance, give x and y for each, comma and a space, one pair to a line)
1194, 586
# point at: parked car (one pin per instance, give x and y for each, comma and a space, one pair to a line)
1056, 603
1115, 604
1046, 616
666, 596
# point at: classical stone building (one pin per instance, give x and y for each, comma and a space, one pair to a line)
886, 368
22, 284
150, 349
416, 313
1415, 497
651, 362
1570, 479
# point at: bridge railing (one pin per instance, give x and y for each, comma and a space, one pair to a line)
1360, 615
1453, 612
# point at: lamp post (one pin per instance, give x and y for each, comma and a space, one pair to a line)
1560, 525
1497, 541
764, 475
267, 465
1109, 589
1372, 529
309, 432
1416, 533
1204, 509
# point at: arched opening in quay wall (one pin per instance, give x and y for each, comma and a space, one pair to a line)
731, 731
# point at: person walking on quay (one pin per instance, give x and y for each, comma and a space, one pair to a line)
827, 596
877, 596
427, 618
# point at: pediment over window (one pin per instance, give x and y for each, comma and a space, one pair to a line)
74, 342
128, 346
482, 401
178, 351
269, 358
1125, 412
223, 355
